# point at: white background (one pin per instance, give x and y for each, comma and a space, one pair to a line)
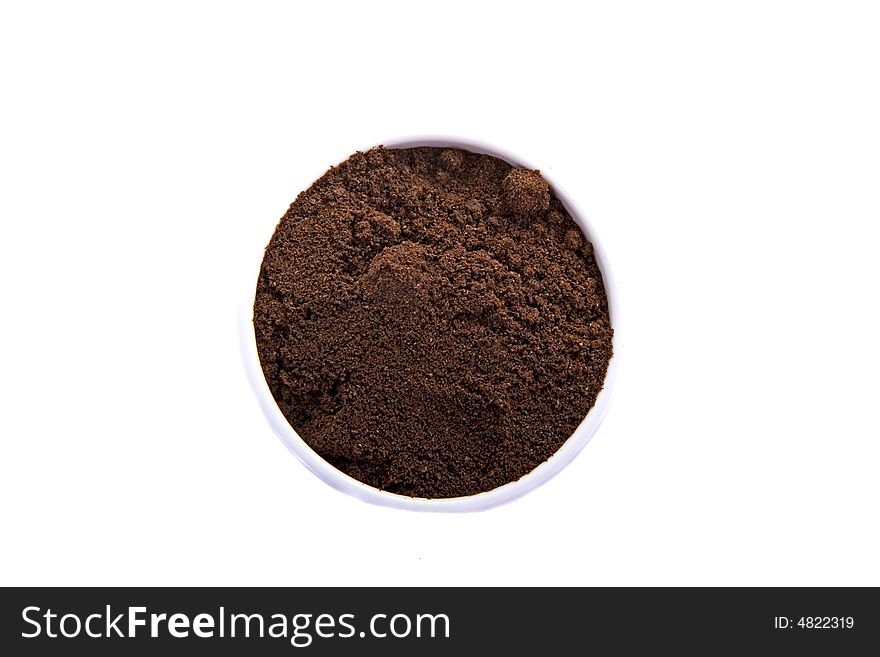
728, 154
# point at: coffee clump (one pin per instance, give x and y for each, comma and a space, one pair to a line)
525, 192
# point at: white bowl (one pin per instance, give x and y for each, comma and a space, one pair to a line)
480, 501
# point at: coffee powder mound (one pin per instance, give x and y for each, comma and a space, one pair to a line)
525, 192
432, 321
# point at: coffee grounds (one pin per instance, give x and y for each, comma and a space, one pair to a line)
431, 321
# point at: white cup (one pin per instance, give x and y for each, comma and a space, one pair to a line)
480, 501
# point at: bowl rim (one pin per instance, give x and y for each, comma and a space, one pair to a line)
480, 501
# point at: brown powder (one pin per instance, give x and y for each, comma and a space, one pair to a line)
431, 321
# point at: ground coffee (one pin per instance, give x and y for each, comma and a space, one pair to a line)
431, 321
